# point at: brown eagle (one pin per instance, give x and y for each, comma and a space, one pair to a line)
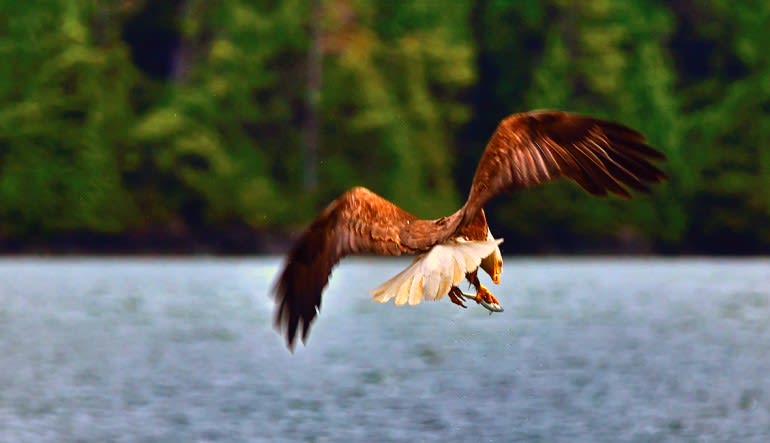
525, 150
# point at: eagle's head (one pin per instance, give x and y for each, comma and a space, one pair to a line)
493, 263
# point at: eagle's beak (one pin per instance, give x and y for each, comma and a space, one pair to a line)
497, 271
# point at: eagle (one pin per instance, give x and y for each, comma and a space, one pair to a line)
526, 149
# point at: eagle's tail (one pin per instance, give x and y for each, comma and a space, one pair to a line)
431, 275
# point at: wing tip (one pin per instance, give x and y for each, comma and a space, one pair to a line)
295, 312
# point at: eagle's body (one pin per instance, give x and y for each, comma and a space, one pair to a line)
526, 149
432, 274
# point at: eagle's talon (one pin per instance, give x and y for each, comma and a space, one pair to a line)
456, 297
485, 299
484, 295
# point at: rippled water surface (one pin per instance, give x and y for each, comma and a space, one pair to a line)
591, 350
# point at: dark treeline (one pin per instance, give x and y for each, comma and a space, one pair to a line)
200, 126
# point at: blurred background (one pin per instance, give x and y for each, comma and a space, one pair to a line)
194, 126
222, 127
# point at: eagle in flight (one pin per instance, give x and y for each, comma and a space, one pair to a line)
526, 149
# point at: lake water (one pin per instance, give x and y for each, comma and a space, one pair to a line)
589, 350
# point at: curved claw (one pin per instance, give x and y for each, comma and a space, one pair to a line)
491, 307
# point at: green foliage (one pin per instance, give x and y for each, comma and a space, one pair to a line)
728, 129
391, 104
93, 141
607, 59
219, 132
66, 102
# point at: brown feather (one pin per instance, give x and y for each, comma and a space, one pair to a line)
477, 229
357, 222
531, 148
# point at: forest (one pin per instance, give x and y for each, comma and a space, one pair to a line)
192, 126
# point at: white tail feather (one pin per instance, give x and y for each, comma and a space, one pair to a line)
431, 275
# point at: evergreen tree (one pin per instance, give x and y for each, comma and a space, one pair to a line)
65, 90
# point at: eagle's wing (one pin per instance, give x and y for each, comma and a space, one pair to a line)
531, 148
358, 221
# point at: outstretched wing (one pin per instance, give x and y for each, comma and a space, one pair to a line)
531, 148
358, 221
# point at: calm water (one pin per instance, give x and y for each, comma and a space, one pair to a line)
104, 350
